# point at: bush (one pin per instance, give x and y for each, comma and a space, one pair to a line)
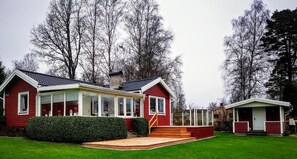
76, 129
13, 131
140, 126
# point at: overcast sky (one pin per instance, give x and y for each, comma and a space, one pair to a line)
199, 27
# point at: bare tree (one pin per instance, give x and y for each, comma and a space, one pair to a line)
59, 39
112, 13
147, 47
90, 63
103, 19
245, 67
29, 63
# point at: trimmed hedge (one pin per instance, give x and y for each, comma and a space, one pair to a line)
140, 126
76, 129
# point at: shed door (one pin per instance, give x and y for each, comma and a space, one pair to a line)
259, 116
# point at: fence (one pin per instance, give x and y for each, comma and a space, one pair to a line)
192, 117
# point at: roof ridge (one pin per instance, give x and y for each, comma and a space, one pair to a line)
54, 76
146, 79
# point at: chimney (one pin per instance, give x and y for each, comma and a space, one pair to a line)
115, 79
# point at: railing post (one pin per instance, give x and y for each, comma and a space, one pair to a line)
182, 118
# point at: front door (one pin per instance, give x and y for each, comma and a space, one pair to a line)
259, 116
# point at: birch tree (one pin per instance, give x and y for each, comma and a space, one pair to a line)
245, 67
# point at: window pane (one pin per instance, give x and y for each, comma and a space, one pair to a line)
72, 103
24, 103
128, 106
137, 107
90, 105
71, 96
107, 106
58, 104
152, 105
120, 106
161, 105
45, 105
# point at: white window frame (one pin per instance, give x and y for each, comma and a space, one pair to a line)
157, 103
125, 107
19, 103
131, 107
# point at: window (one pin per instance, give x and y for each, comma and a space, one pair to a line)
58, 105
107, 105
157, 104
45, 105
128, 106
136, 108
23, 103
120, 106
125, 106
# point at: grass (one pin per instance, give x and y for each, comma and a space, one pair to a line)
224, 145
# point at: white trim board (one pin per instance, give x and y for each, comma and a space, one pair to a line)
20, 74
155, 82
258, 102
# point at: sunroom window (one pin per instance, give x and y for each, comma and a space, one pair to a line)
157, 104
128, 106
23, 103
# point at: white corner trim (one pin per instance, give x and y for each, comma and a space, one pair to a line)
20, 74
156, 81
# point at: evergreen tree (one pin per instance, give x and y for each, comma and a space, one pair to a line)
280, 42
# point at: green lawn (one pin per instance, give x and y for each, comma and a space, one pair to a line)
223, 146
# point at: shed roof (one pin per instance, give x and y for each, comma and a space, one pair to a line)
258, 102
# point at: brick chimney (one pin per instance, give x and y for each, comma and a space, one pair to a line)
115, 79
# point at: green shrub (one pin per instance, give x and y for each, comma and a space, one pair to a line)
140, 126
76, 129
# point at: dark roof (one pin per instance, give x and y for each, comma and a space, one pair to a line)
49, 80
136, 85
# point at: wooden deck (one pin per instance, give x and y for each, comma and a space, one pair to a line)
139, 143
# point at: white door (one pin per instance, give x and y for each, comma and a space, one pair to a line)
259, 116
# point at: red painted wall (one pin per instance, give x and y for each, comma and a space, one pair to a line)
241, 127
201, 132
273, 127
16, 86
159, 91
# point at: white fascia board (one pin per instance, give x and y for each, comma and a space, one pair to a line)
21, 75
58, 87
112, 91
260, 100
156, 81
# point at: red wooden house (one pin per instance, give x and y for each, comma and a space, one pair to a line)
259, 116
27, 94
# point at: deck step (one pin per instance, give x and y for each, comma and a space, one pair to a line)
256, 133
173, 132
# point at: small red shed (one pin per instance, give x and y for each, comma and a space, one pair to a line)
259, 115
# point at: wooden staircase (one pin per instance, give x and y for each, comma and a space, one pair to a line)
170, 132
